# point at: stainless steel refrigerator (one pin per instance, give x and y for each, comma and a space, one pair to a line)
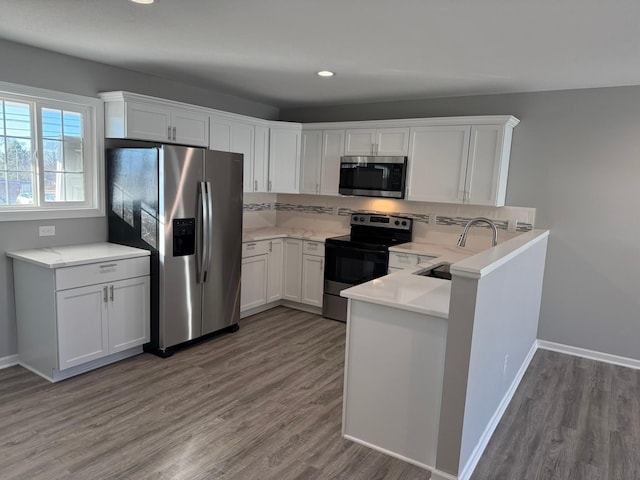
183, 204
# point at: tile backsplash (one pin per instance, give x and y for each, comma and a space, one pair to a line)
433, 222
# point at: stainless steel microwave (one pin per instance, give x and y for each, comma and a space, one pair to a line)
373, 176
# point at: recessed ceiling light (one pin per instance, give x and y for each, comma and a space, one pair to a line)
143, 2
326, 73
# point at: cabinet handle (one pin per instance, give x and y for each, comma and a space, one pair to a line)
251, 245
270, 185
174, 133
111, 292
104, 297
317, 188
169, 133
109, 265
255, 185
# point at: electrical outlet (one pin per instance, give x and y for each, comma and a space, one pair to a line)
433, 219
47, 231
512, 225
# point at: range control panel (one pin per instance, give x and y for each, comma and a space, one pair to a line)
381, 221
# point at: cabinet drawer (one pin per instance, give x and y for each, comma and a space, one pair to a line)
313, 248
251, 249
402, 260
107, 271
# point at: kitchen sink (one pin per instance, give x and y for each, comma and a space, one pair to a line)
437, 271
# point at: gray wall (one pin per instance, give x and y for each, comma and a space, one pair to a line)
38, 68
575, 157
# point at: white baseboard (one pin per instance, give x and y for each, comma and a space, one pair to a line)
8, 361
590, 354
470, 466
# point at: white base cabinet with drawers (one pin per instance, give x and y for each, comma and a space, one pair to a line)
77, 318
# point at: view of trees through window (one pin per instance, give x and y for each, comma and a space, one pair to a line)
58, 137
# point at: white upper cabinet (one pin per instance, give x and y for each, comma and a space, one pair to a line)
332, 150
461, 163
320, 161
139, 117
377, 141
488, 165
310, 161
284, 158
438, 163
239, 134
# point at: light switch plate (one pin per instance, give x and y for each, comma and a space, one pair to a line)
47, 231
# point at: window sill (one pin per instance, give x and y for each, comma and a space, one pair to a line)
49, 214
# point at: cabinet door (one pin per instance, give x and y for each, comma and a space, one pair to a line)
82, 325
261, 158
488, 166
253, 292
128, 313
242, 142
438, 163
392, 141
274, 275
312, 280
284, 160
292, 269
190, 128
220, 134
360, 141
310, 161
332, 150
148, 122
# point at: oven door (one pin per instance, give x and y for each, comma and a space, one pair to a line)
346, 266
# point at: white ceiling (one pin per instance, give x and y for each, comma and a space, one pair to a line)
269, 50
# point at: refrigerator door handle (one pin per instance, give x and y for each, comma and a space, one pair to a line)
209, 227
203, 221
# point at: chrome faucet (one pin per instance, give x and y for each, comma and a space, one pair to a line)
463, 237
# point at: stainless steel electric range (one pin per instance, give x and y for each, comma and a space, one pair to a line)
359, 257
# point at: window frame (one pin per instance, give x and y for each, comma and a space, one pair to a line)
93, 154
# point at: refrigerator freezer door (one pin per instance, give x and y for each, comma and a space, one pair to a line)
181, 170
221, 291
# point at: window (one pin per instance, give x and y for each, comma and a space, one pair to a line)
50, 154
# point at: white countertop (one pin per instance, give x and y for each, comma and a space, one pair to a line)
67, 256
406, 291
443, 253
430, 296
267, 233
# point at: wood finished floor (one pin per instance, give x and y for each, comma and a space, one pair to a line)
263, 403
570, 419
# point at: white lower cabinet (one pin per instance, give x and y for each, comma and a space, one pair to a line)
281, 269
399, 261
274, 274
254, 281
304, 271
72, 319
312, 273
292, 270
101, 319
261, 273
